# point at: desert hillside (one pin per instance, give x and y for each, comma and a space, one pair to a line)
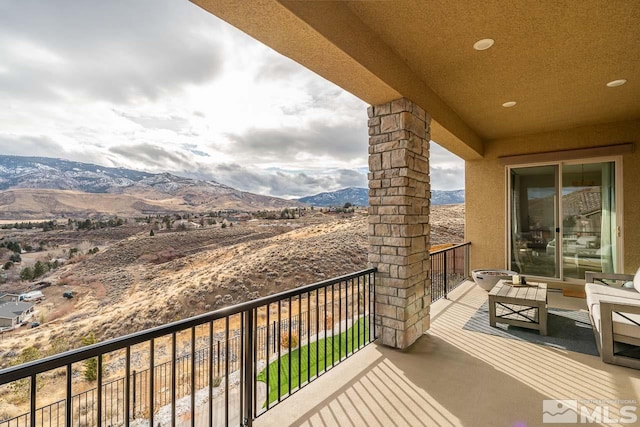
142, 281
28, 203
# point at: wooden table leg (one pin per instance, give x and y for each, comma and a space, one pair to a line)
492, 311
542, 318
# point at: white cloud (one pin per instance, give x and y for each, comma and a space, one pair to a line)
165, 86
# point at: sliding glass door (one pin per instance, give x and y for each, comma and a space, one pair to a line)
563, 219
534, 220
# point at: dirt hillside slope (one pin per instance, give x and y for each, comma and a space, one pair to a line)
143, 281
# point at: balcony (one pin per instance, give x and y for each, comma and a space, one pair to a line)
452, 376
324, 367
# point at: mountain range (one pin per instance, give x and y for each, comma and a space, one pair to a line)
360, 197
42, 186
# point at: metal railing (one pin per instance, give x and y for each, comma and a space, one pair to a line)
449, 268
285, 340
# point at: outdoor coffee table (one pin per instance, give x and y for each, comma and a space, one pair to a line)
523, 306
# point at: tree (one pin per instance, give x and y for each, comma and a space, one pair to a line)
347, 205
90, 365
151, 233
224, 225
13, 246
39, 269
7, 265
22, 387
15, 258
26, 274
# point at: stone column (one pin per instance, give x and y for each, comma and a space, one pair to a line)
399, 195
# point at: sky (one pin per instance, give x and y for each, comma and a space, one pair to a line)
163, 86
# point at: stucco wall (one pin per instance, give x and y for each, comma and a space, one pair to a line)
486, 194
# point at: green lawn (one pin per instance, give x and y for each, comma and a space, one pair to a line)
335, 351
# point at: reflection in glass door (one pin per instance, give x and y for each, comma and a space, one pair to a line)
588, 218
563, 219
533, 220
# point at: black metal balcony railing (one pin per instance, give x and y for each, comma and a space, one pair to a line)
284, 341
449, 268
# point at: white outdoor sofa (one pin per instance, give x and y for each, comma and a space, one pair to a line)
615, 316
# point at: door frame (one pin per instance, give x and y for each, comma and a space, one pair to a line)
619, 200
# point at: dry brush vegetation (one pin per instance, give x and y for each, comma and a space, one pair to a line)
138, 281
143, 281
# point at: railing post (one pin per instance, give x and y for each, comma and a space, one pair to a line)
249, 349
218, 345
466, 260
446, 291
274, 337
32, 402
134, 394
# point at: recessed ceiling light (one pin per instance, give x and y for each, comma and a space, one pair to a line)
483, 44
509, 104
616, 83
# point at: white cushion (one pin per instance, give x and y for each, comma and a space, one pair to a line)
593, 289
636, 280
622, 296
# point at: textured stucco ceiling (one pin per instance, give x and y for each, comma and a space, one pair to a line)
552, 57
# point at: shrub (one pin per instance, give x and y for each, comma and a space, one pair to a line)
63, 311
284, 340
21, 388
99, 289
328, 322
217, 380
26, 274
90, 365
58, 345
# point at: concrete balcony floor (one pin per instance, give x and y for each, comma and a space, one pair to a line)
455, 377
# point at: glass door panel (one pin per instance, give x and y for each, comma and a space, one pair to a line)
588, 218
533, 220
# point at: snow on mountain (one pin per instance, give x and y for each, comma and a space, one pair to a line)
43, 173
360, 197
354, 195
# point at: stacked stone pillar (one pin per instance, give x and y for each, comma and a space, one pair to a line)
399, 194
